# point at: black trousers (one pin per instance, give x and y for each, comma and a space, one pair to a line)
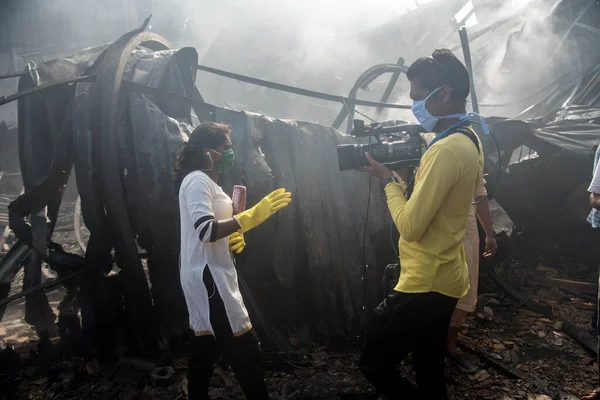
597, 310
242, 352
403, 323
596, 325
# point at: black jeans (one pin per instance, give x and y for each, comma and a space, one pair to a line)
242, 352
402, 323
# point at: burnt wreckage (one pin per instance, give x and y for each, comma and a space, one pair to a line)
116, 115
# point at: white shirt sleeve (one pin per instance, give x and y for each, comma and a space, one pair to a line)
595, 185
198, 194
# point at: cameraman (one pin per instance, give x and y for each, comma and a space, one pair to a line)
415, 316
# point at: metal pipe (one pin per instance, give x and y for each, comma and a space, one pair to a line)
47, 285
464, 41
390, 87
51, 283
15, 75
369, 75
13, 260
7, 99
300, 91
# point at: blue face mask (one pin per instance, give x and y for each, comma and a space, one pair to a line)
428, 121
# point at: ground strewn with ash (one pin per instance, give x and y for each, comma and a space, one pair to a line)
510, 340
502, 330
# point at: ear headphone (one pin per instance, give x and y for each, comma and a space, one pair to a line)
211, 162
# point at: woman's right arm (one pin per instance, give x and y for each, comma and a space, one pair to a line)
199, 196
226, 227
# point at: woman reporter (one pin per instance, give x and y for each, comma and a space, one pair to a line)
209, 232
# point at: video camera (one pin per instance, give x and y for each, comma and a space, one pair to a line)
398, 146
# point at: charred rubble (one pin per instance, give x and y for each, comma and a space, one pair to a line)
113, 117
132, 208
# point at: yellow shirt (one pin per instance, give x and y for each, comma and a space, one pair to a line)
432, 223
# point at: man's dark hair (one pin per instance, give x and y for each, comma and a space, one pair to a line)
442, 68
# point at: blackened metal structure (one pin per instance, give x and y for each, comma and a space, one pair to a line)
78, 107
55, 114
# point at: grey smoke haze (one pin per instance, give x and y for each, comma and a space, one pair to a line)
530, 58
311, 43
290, 40
325, 45
317, 44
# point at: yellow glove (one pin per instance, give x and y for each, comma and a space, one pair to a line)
263, 210
236, 242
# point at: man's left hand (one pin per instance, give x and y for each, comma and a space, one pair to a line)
376, 169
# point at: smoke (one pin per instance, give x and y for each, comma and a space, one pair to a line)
314, 26
309, 43
325, 45
322, 45
525, 60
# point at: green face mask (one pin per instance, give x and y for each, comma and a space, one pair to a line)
225, 164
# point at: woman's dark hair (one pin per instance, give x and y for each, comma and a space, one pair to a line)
442, 68
190, 157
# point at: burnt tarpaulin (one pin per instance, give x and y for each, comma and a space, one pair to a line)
45, 137
153, 129
45, 157
58, 131
309, 256
546, 169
